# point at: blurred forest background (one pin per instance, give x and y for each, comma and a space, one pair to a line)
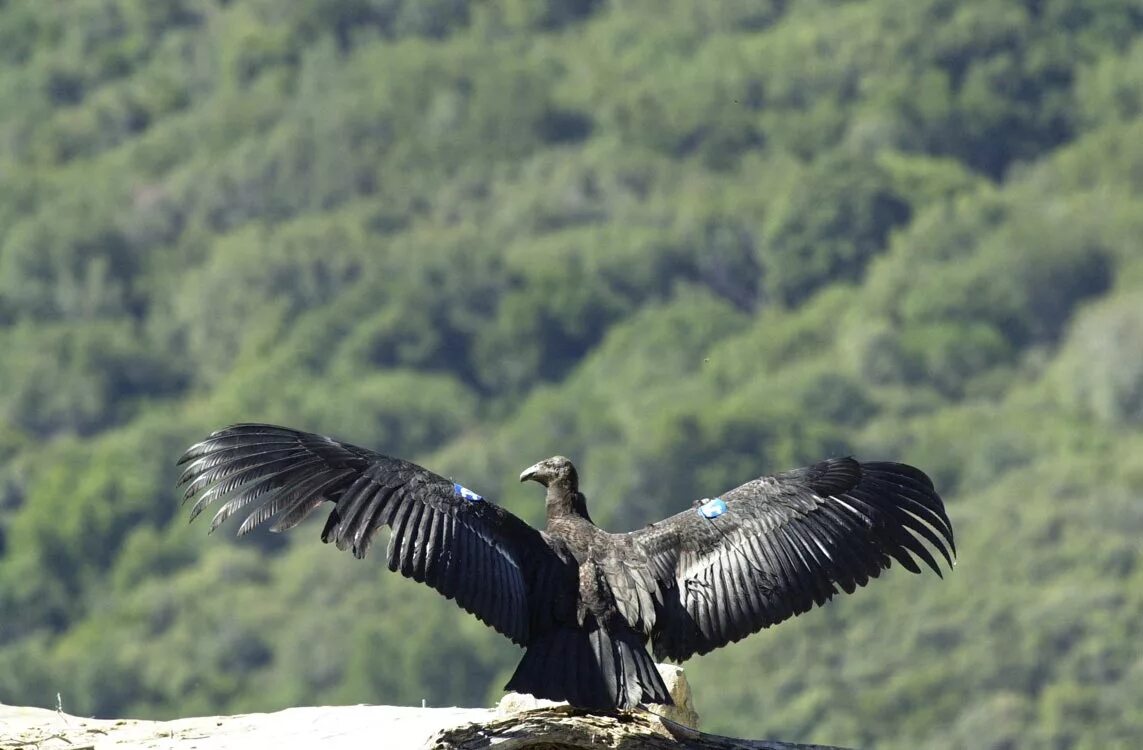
683, 242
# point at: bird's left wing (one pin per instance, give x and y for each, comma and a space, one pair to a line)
443, 535
780, 544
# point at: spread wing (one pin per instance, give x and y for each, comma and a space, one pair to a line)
444, 535
778, 545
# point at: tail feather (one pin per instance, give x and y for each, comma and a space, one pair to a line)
590, 667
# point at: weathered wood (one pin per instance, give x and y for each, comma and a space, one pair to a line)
566, 728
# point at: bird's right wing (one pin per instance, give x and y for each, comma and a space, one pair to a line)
493, 564
780, 544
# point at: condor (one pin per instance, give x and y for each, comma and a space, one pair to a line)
585, 603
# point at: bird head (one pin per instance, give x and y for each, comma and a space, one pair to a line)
554, 469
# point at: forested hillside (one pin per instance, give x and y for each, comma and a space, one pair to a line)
681, 242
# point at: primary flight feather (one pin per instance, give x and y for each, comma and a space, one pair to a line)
583, 602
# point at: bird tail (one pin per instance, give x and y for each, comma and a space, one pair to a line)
590, 667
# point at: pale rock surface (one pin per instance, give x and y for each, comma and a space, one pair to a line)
683, 711
368, 727
327, 727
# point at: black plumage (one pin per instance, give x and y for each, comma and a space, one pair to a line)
583, 602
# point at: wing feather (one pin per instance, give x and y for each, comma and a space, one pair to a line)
399, 535
240, 492
471, 551
371, 503
813, 585
786, 543
355, 500
301, 494
247, 486
227, 475
432, 547
410, 538
901, 541
835, 540
417, 558
297, 514
201, 466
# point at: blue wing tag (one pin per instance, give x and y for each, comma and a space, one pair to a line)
467, 494
712, 508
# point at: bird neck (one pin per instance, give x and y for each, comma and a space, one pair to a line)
563, 500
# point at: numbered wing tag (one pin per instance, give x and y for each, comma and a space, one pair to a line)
467, 494
712, 508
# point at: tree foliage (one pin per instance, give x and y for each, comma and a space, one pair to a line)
681, 242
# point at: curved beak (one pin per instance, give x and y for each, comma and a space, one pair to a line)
530, 472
